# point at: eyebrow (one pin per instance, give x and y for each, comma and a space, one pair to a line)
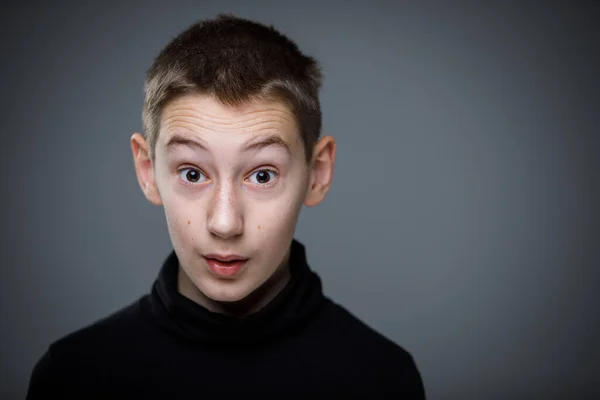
178, 140
273, 140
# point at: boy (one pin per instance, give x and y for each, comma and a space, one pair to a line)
232, 152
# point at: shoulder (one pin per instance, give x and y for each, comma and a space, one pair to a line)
372, 356
85, 349
340, 320
120, 326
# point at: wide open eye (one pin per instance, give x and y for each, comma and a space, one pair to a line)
263, 176
192, 175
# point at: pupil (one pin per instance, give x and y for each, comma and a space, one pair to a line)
262, 177
193, 176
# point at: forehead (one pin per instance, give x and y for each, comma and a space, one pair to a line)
206, 117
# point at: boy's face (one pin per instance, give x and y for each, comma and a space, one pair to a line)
232, 181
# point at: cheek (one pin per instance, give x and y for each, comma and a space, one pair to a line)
281, 213
181, 223
270, 221
174, 224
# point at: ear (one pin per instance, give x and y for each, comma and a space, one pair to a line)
321, 171
144, 169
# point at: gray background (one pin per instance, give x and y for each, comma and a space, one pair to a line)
462, 222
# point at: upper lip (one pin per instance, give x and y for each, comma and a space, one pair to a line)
223, 257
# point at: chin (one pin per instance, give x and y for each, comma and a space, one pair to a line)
226, 292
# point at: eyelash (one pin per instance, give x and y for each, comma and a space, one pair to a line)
185, 182
270, 170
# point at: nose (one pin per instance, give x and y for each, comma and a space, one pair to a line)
224, 214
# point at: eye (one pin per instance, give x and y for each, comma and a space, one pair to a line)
192, 175
263, 176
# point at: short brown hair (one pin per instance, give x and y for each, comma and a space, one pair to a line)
235, 60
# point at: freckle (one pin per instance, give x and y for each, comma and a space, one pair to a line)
259, 227
188, 221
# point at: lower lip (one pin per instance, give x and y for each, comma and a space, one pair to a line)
226, 269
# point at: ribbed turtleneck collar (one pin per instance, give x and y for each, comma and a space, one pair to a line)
299, 300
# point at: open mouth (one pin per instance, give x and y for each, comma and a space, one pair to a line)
226, 266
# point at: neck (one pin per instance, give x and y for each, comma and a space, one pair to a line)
252, 303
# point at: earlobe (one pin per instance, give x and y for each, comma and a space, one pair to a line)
144, 168
321, 171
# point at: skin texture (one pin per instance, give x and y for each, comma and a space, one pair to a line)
232, 180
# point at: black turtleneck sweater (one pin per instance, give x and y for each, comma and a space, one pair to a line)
165, 346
